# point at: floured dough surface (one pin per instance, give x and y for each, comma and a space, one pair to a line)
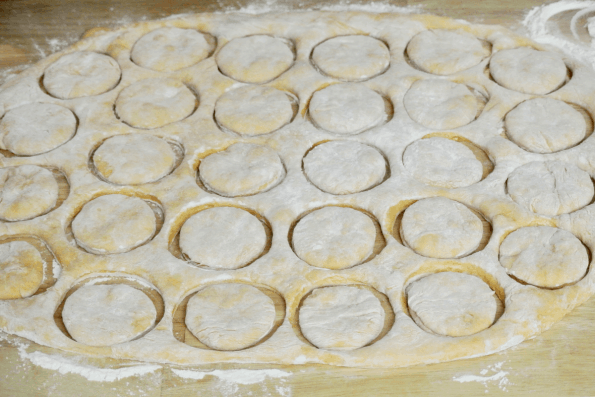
452, 304
230, 316
222, 238
544, 256
105, 315
21, 270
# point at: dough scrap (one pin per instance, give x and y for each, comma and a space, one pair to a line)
21, 270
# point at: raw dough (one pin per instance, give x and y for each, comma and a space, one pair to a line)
550, 187
230, 316
21, 270
438, 227
334, 238
223, 238
544, 256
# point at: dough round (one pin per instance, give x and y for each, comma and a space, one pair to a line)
351, 58
230, 316
527, 70
341, 317
153, 103
442, 162
134, 159
242, 169
440, 104
26, 191
105, 315
80, 74
347, 108
545, 125
334, 238
21, 270
452, 304
36, 128
544, 256
113, 223
254, 110
438, 227
344, 167
223, 238
255, 59
550, 187
168, 49
445, 52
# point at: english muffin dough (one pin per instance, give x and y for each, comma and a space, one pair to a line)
344, 167
351, 58
545, 125
442, 162
222, 238
36, 128
169, 49
255, 59
153, 103
105, 315
334, 238
440, 104
26, 191
438, 227
113, 223
544, 256
21, 270
230, 316
527, 70
242, 169
254, 110
550, 187
452, 304
347, 109
341, 317
81, 74
134, 159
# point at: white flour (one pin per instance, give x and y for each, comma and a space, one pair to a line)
498, 378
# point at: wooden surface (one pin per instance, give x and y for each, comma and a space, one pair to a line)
560, 362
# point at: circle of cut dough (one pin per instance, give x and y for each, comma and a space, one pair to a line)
440, 104
153, 103
36, 128
255, 59
26, 191
21, 270
545, 125
81, 74
223, 238
442, 162
242, 169
544, 256
230, 316
351, 58
334, 238
452, 304
341, 317
438, 227
113, 223
168, 49
527, 70
445, 52
550, 187
344, 167
134, 159
347, 108
105, 315
254, 110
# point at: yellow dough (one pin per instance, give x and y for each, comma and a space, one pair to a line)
21, 270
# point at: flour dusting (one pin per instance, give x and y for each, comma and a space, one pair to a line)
499, 377
239, 376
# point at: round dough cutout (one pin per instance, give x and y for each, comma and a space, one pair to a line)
21, 270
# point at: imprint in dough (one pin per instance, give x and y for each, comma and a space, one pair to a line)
105, 315
222, 238
544, 256
21, 270
230, 316
81, 74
